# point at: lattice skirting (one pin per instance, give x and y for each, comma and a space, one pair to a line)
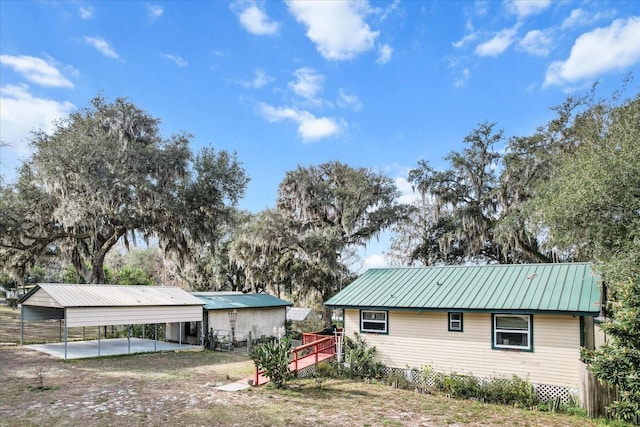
545, 392
309, 371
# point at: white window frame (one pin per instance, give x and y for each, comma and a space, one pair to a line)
528, 332
384, 322
452, 321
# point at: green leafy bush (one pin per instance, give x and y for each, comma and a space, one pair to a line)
458, 386
361, 358
273, 358
508, 391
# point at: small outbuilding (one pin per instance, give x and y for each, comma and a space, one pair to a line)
234, 317
105, 305
482, 320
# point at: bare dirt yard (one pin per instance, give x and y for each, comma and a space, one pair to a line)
179, 389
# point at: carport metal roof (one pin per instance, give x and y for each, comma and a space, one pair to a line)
72, 295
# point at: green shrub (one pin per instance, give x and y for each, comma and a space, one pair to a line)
328, 369
458, 386
361, 358
273, 358
397, 379
508, 391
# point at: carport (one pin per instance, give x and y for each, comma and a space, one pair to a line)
108, 305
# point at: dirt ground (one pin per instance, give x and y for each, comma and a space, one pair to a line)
179, 389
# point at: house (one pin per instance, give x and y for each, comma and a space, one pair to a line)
481, 320
235, 317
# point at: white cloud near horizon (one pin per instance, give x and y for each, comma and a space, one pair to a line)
22, 113
337, 28
374, 261
536, 42
101, 46
254, 19
36, 70
310, 127
498, 44
594, 53
176, 59
524, 8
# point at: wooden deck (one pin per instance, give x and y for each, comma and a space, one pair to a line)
301, 357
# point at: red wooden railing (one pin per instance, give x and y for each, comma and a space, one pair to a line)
325, 345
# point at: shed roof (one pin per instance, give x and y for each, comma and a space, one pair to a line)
298, 314
569, 288
68, 295
239, 301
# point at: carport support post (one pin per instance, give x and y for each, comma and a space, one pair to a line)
155, 338
66, 334
22, 323
180, 335
98, 341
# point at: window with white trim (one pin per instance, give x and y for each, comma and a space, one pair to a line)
455, 322
373, 321
511, 331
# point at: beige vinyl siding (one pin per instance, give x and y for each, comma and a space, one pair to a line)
417, 339
101, 316
43, 299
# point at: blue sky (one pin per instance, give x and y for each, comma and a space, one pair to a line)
372, 84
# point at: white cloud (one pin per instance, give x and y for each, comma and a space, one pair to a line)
349, 101
407, 195
101, 46
36, 70
465, 40
176, 59
254, 19
536, 42
261, 78
463, 78
86, 12
604, 49
384, 54
498, 44
154, 11
308, 83
22, 113
524, 8
375, 261
336, 27
579, 17
310, 128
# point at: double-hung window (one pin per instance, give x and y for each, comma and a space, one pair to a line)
512, 331
374, 321
455, 322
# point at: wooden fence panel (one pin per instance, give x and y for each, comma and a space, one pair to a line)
595, 396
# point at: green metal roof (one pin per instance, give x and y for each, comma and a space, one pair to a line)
569, 288
239, 301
